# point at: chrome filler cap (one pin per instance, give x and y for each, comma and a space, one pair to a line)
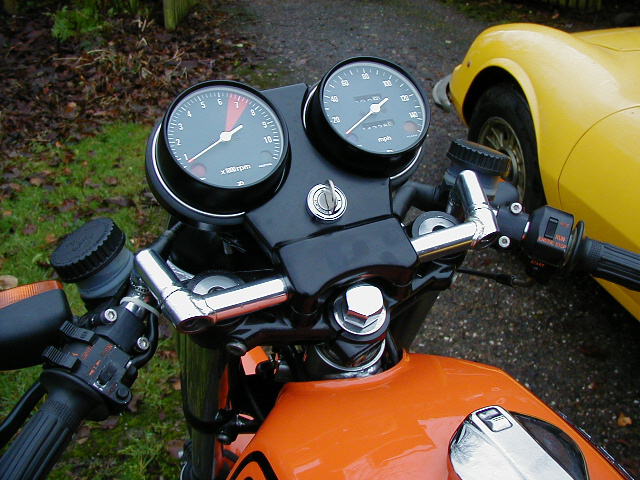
491, 443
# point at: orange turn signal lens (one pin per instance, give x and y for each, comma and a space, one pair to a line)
14, 295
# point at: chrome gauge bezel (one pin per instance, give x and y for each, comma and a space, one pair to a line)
174, 204
348, 154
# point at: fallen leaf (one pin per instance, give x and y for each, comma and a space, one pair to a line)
175, 383
51, 238
134, 404
15, 187
30, 229
165, 329
624, 421
110, 423
90, 182
167, 354
83, 434
111, 181
37, 181
175, 448
7, 282
121, 201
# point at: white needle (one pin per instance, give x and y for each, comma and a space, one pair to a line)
374, 108
224, 137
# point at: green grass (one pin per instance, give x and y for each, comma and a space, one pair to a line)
48, 194
57, 190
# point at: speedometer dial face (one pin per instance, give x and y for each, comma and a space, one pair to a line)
224, 135
374, 106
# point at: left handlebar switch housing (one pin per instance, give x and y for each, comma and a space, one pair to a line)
88, 374
98, 348
88, 378
98, 364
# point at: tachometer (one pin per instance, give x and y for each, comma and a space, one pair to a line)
223, 148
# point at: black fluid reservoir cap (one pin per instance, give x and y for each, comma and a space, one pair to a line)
87, 250
481, 159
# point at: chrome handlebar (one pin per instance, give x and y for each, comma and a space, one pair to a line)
191, 313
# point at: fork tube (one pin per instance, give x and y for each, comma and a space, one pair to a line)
201, 373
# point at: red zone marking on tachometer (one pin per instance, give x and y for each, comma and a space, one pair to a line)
235, 108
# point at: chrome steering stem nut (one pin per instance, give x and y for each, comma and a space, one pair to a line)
361, 310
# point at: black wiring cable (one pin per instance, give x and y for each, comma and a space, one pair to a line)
502, 278
152, 336
237, 377
162, 245
290, 357
20, 412
257, 410
392, 349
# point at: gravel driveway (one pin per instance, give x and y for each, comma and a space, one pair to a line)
569, 342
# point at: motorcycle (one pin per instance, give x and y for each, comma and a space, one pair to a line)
296, 282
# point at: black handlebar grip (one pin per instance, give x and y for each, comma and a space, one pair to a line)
609, 262
38, 446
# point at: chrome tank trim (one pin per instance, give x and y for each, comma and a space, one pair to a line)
491, 443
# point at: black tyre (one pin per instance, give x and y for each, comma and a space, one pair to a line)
502, 120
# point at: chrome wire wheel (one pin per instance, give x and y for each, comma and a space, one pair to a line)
499, 135
501, 119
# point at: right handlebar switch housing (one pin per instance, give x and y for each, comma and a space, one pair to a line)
547, 241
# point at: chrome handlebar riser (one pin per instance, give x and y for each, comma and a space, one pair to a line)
192, 313
467, 201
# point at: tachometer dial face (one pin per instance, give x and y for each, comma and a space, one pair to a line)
225, 136
374, 106
222, 149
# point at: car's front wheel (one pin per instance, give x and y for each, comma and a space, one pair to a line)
502, 120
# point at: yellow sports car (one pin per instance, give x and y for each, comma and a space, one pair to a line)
566, 109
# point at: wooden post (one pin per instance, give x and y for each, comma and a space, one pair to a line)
175, 10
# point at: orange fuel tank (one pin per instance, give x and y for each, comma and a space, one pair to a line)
397, 424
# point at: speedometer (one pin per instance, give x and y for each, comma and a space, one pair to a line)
372, 115
222, 149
